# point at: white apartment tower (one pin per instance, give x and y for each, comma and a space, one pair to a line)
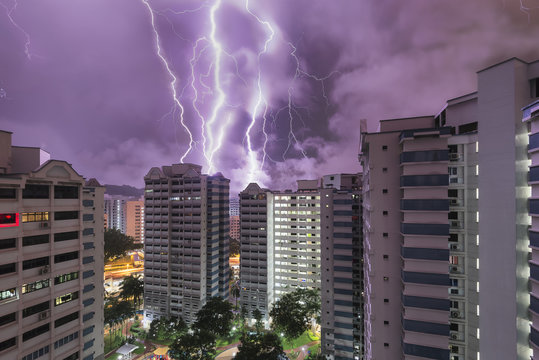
186, 245
115, 209
51, 258
449, 211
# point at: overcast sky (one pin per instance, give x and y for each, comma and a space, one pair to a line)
83, 79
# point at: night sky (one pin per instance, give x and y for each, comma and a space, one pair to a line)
84, 80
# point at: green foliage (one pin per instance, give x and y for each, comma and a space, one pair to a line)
260, 346
234, 247
199, 345
118, 244
132, 287
257, 315
293, 312
166, 329
215, 317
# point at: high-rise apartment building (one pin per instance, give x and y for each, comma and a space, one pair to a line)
186, 245
446, 226
134, 220
51, 258
341, 267
116, 213
235, 227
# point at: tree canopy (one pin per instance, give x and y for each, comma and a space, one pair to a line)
260, 346
118, 244
132, 287
293, 312
215, 317
167, 329
200, 345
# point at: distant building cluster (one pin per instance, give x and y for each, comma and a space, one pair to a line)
124, 214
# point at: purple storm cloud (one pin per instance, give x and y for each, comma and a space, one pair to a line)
267, 91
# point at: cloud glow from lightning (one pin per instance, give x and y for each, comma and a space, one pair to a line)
208, 106
9, 13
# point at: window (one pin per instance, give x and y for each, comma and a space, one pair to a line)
66, 257
384, 170
385, 234
66, 277
384, 147
8, 343
88, 287
88, 259
8, 243
73, 356
31, 310
32, 191
66, 215
8, 193
35, 216
386, 300
88, 316
33, 263
384, 212
386, 322
386, 256
9, 219
37, 354
35, 332
8, 268
35, 240
63, 236
386, 278
40, 284
384, 191
386, 344
66, 298
66, 192
64, 320
87, 274
65, 340
9, 318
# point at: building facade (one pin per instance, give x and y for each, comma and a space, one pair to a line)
51, 258
341, 250
450, 196
186, 245
134, 220
115, 210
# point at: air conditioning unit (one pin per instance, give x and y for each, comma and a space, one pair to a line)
455, 223
453, 202
454, 269
44, 225
454, 337
454, 247
45, 270
43, 315
454, 156
455, 314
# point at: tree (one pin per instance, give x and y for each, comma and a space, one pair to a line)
200, 345
257, 315
167, 329
260, 346
215, 317
294, 312
118, 244
236, 293
132, 287
234, 247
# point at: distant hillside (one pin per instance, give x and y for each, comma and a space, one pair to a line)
124, 190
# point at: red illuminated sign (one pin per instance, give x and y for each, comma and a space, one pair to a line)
9, 220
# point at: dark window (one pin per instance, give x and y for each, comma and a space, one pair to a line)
386, 300
64, 320
8, 268
466, 128
384, 170
384, 212
384, 191
88, 287
88, 259
384, 147
73, 356
386, 344
35, 240
66, 192
8, 193
386, 322
88, 217
534, 87
87, 274
8, 343
63, 236
66, 257
35, 332
88, 245
9, 318
9, 219
88, 316
31, 310
452, 193
386, 257
385, 234
8, 243
33, 263
88, 344
66, 215
35, 192
37, 354
88, 330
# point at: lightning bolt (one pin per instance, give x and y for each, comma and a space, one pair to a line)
173, 81
252, 159
9, 12
527, 9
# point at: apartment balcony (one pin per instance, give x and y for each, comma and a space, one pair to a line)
425, 204
431, 180
456, 269
424, 156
